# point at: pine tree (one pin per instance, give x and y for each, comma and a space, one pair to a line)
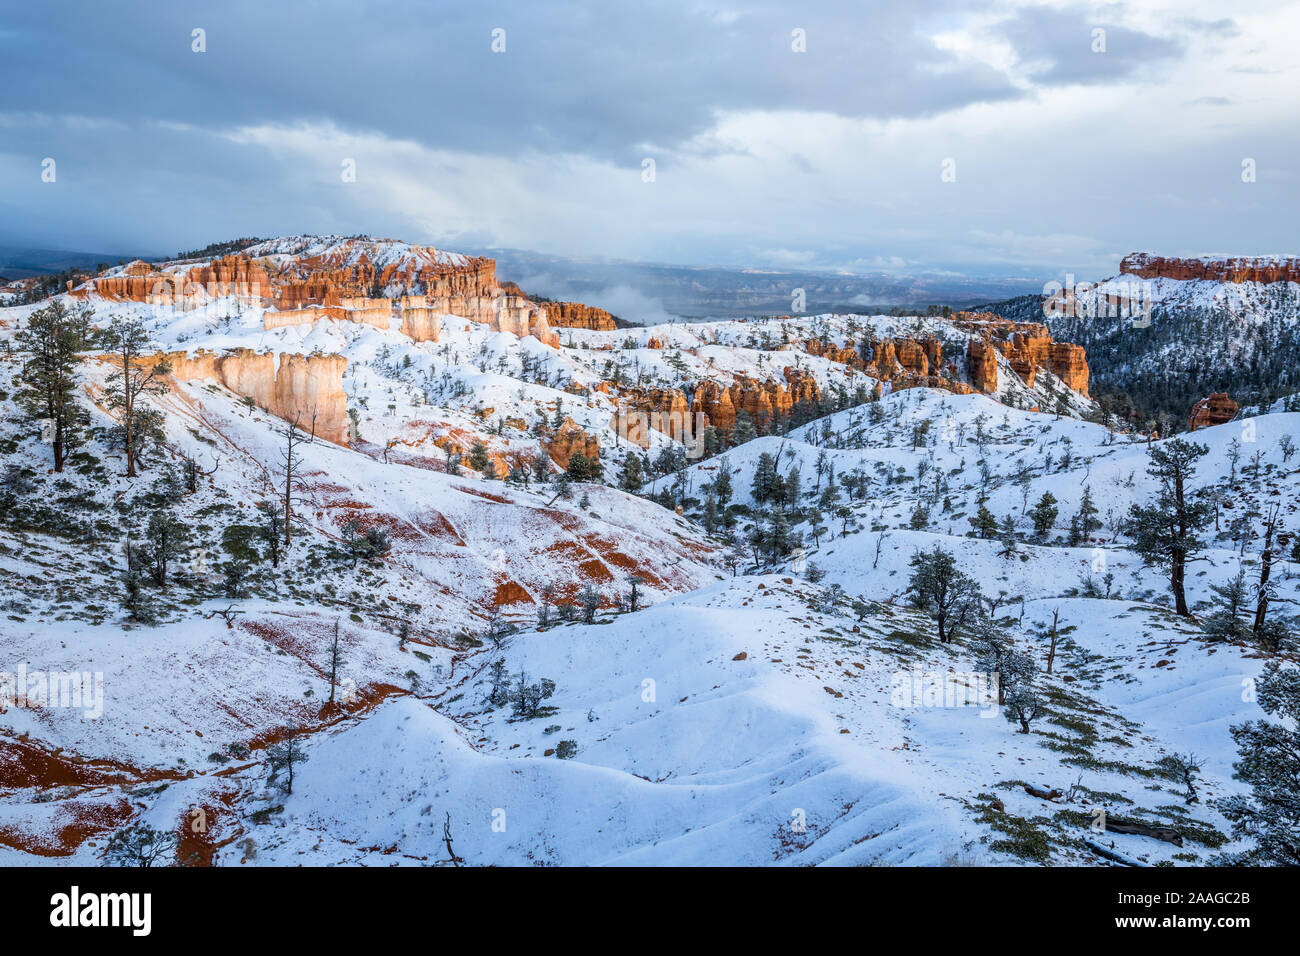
1007, 535
166, 539
55, 339
710, 514
991, 648
1016, 686
1225, 622
935, 586
722, 484
334, 660
767, 482
478, 458
582, 468
633, 478
589, 600
271, 527
1044, 514
283, 757
744, 430
1165, 533
1270, 764
984, 522
1088, 522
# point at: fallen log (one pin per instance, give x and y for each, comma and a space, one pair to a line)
1113, 855
1168, 834
1053, 794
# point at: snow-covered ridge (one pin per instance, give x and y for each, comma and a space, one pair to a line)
348, 251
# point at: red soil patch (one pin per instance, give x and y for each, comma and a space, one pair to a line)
594, 570
205, 829
368, 697
73, 823
399, 529
510, 592
24, 764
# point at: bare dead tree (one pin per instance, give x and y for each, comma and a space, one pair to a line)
446, 839
1272, 521
290, 479
136, 376
335, 659
228, 615
1051, 650
192, 471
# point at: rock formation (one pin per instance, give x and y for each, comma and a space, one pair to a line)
308, 388
1214, 410
1028, 346
575, 315
568, 438
1214, 269
380, 283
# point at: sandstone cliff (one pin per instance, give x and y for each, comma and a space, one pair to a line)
380, 283
308, 388
575, 315
1214, 269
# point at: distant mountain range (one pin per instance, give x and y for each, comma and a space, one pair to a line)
19, 262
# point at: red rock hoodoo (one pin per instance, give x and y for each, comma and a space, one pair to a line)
1028, 346
1214, 410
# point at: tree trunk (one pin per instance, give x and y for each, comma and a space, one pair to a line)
58, 443
1265, 569
128, 414
1176, 583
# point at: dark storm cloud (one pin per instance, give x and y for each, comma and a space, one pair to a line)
603, 79
761, 159
1057, 46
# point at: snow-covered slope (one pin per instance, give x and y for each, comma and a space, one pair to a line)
743, 712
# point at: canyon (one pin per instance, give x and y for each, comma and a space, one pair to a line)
294, 288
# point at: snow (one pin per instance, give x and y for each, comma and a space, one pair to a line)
736, 720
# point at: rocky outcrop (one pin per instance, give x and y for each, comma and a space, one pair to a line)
843, 354
568, 438
1028, 347
714, 401
767, 401
1214, 410
665, 410
711, 404
418, 319
982, 365
340, 280
1213, 268
1069, 363
305, 388
575, 315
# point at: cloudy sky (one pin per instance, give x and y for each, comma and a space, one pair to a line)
993, 139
